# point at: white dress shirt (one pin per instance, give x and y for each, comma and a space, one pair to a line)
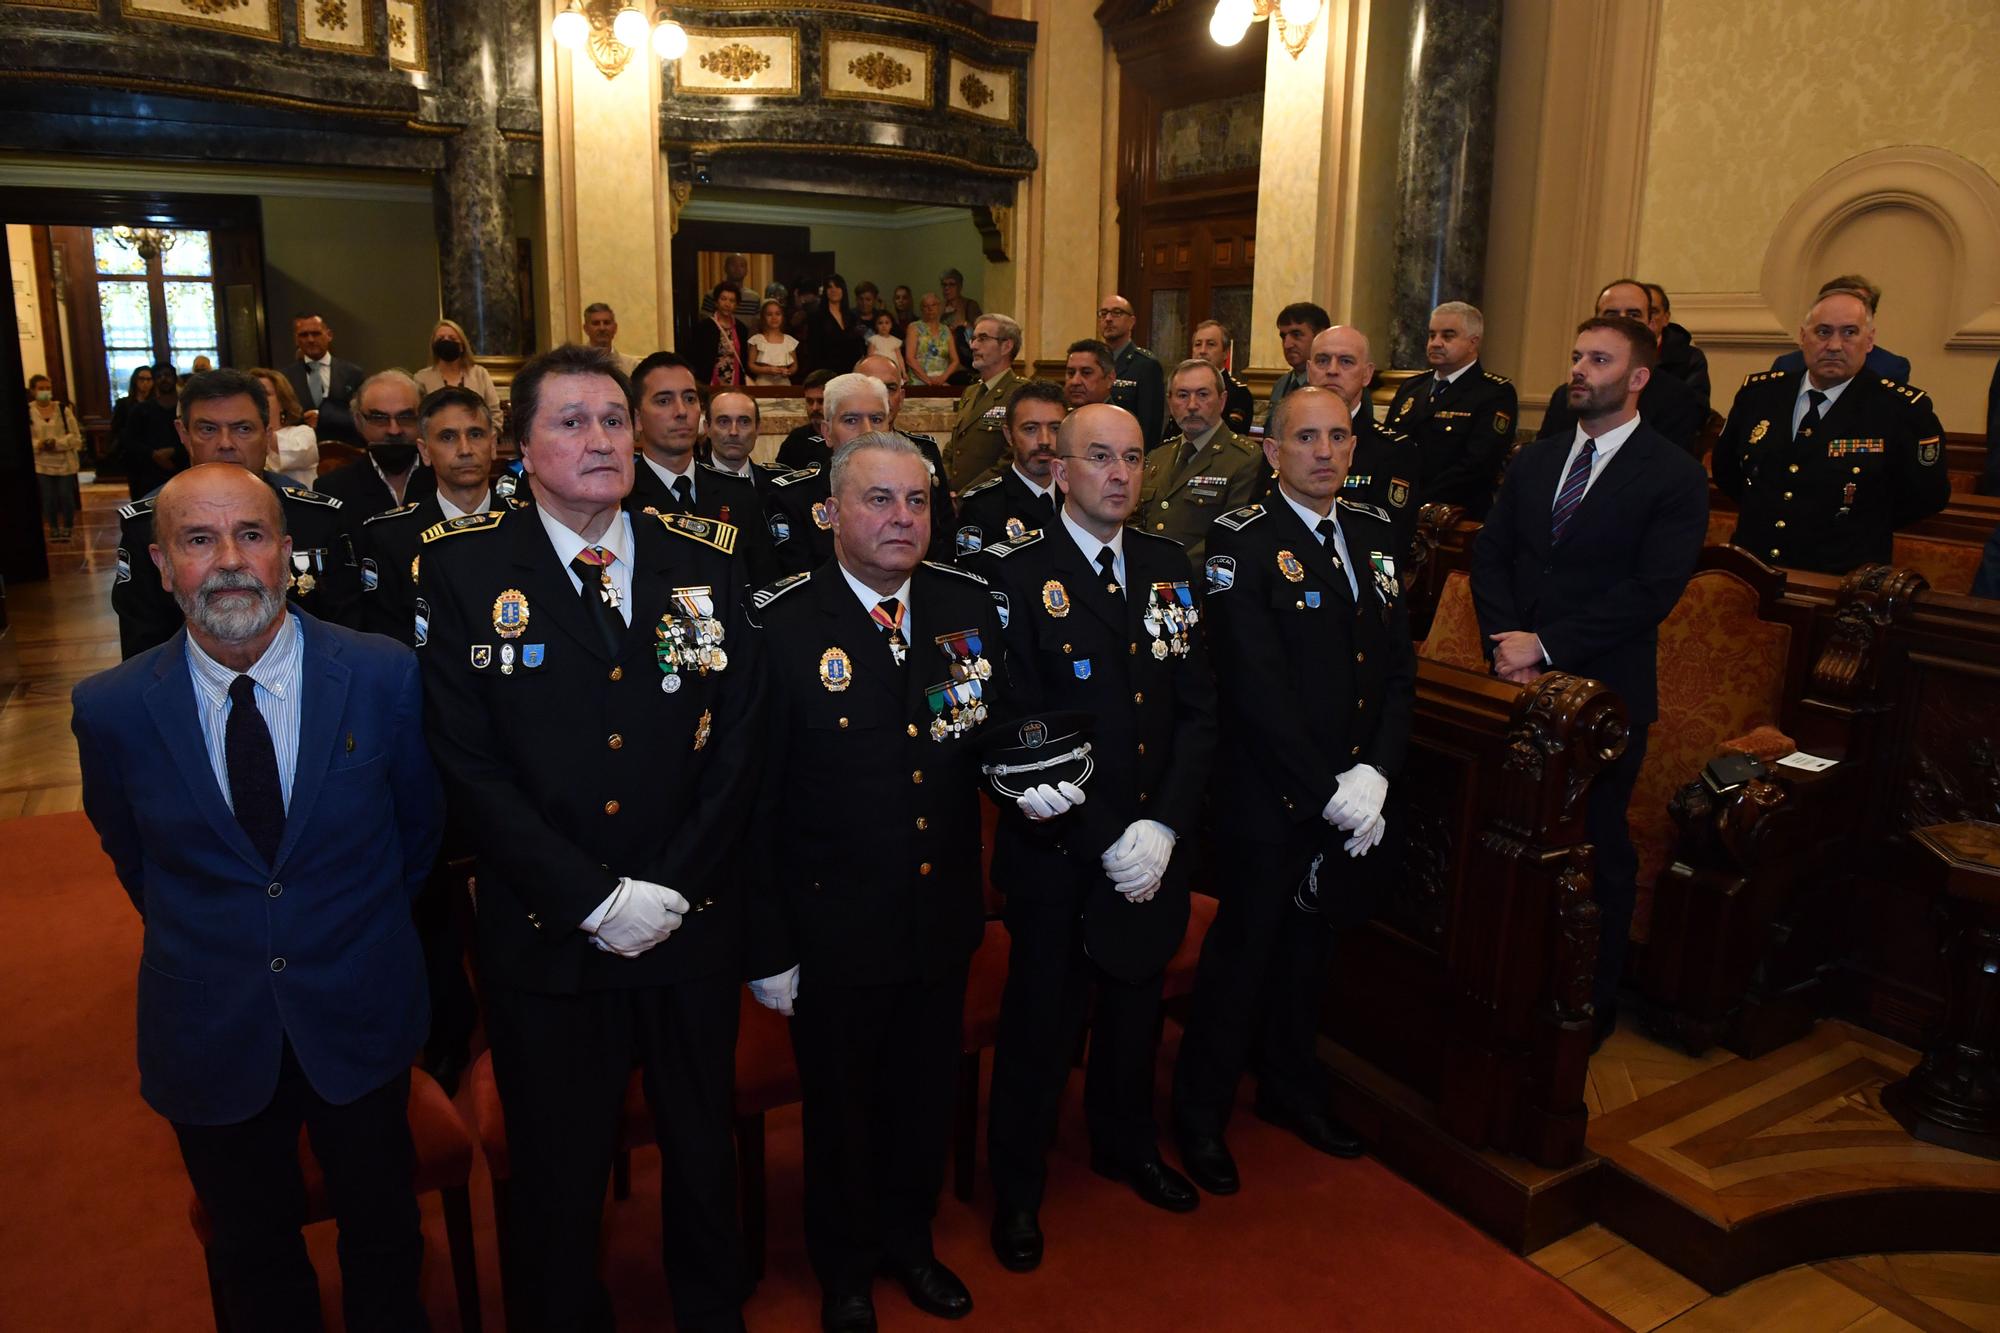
452, 511
1801, 403
1046, 492
869, 599
1088, 543
1607, 445
617, 539
1312, 522
668, 475
278, 675
319, 377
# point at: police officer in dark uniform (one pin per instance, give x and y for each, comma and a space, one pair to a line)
222, 420
1826, 465
799, 510
1386, 467
1139, 384
806, 444
591, 693
1460, 414
884, 670
390, 473
1103, 619
1023, 497
1318, 678
734, 420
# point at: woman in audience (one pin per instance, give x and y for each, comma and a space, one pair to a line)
927, 348
58, 441
452, 363
125, 418
291, 448
152, 450
834, 338
774, 354
884, 342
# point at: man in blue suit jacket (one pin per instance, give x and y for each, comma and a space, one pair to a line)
1585, 551
262, 786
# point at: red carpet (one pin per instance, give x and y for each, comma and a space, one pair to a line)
94, 1234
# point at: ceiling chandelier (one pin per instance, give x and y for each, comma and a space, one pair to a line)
146, 242
1294, 20
611, 30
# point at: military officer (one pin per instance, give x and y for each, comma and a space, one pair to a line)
1210, 342
1088, 373
1318, 678
1824, 466
885, 668
590, 694
1385, 468
1460, 414
1138, 385
1022, 498
978, 446
222, 420
1106, 619
1211, 471
800, 511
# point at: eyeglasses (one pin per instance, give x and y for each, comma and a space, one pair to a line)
1098, 456
380, 419
1111, 310
242, 432
982, 338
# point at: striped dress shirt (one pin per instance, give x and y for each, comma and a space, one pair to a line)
279, 675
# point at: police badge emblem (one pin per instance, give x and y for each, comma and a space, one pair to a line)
970, 539
835, 671
482, 656
371, 579
1759, 431
1289, 566
1055, 599
1016, 529
533, 655
781, 530
510, 614
1399, 492
820, 515
1929, 451
1221, 573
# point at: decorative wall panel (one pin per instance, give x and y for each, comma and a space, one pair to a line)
258, 18
760, 62
986, 92
407, 46
337, 25
862, 67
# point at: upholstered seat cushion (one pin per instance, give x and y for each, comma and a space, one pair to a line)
1946, 566
1454, 637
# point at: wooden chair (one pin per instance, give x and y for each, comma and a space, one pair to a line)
443, 1164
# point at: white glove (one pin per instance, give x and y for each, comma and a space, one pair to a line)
1046, 802
637, 916
1138, 860
778, 992
1366, 837
1357, 797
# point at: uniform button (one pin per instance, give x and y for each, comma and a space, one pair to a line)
1138, 696
1142, 747
1135, 648
1159, 527
1163, 504
617, 673
1779, 524
922, 823
1793, 468
917, 777
1361, 657
912, 729
277, 964
611, 807
1857, 472
1774, 553
1360, 703
1066, 648
924, 869
843, 724
273, 890
1355, 750
616, 741
1788, 495
1299, 606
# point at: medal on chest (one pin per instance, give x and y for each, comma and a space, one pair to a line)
688, 638
1170, 615
958, 704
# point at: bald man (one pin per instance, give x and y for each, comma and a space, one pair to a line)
1386, 467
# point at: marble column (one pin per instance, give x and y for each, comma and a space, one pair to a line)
1444, 165
480, 278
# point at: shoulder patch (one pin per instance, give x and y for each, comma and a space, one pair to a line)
137, 509
1497, 379
410, 508
1238, 519
1007, 548
954, 571
469, 523
313, 498
1360, 508
763, 597
986, 485
806, 473
708, 531
1763, 375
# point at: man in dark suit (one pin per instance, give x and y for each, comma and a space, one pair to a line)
1668, 404
667, 410
1022, 498
590, 695
1104, 619
1139, 385
261, 786
324, 383
390, 475
1588, 547
1385, 470
1318, 678
1460, 414
1826, 463
223, 420
1679, 357
1880, 363
884, 669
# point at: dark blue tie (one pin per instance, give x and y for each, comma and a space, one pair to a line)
1571, 494
252, 762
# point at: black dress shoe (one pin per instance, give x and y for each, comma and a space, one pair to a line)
1017, 1239
1154, 1181
1319, 1129
1206, 1159
847, 1314
932, 1288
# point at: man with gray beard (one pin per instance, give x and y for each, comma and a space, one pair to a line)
288, 816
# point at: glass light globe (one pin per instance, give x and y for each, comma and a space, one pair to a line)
630, 27
670, 40
1229, 22
1298, 13
570, 28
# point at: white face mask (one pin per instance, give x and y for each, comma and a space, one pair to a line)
44, 396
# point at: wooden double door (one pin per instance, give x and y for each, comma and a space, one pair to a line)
1194, 271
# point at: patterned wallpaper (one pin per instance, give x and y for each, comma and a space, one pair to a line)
1753, 101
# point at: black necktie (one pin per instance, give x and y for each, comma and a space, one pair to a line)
1438, 385
684, 494
1806, 423
1325, 529
252, 761
592, 568
1107, 564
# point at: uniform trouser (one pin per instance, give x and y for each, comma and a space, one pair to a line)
562, 1063
440, 927
1615, 872
1258, 989
876, 1067
248, 1179
1042, 1013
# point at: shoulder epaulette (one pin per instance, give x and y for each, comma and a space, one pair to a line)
466, 523
1238, 519
708, 531
1908, 393
137, 509
1013, 544
1763, 375
409, 508
1144, 536
779, 468
1497, 379
915, 436
763, 597
1360, 507
313, 498
986, 485
806, 473
954, 571
513, 502
1390, 433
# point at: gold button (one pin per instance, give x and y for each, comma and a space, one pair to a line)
913, 729
843, 724
1066, 648
1163, 504
1788, 495
922, 823
924, 869
1159, 527
1135, 648
1774, 553
1299, 605
917, 776
1857, 472
1793, 468
617, 673
1361, 657
1142, 747
1780, 523
616, 742
1138, 696
611, 807
1355, 750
